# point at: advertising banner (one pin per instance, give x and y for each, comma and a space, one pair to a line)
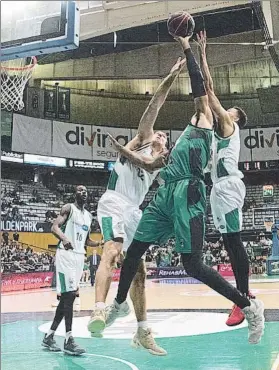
116, 275
102, 149
225, 270
264, 143
28, 280
72, 141
88, 142
28, 226
31, 135
245, 150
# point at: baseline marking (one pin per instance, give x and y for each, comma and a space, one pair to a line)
131, 366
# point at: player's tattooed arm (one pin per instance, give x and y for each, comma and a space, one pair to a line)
145, 129
224, 121
148, 164
58, 222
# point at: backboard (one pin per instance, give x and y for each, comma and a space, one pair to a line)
32, 28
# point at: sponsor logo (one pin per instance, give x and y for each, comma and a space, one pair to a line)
77, 137
259, 139
85, 227
30, 226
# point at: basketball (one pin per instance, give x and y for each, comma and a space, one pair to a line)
181, 24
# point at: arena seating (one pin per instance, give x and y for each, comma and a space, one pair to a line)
35, 209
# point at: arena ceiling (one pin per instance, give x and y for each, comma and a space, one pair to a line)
218, 18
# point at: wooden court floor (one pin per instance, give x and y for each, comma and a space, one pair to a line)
187, 319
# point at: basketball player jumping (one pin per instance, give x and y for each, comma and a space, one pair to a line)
228, 192
72, 228
119, 215
178, 208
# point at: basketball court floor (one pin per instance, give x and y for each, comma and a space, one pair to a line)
188, 320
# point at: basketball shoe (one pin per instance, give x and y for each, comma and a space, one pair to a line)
71, 348
97, 322
236, 316
115, 311
144, 338
254, 315
49, 343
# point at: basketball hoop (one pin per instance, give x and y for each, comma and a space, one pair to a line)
14, 76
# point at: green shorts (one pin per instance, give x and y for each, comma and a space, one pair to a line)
177, 210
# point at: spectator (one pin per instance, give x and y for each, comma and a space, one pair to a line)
5, 237
94, 261
16, 236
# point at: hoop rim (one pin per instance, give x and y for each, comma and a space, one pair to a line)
30, 66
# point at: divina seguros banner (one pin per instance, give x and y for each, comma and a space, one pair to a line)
70, 140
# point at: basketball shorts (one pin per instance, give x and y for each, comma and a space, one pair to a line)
69, 269
177, 210
118, 217
226, 200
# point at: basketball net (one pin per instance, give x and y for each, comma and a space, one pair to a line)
14, 77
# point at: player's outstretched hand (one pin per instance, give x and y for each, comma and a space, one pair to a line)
183, 41
67, 244
201, 40
178, 66
114, 142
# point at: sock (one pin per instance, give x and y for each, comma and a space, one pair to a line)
68, 335
50, 332
100, 305
143, 325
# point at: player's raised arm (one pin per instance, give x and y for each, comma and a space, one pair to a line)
197, 81
145, 129
146, 163
224, 120
58, 222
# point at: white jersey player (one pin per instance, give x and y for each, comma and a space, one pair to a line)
118, 209
72, 228
228, 191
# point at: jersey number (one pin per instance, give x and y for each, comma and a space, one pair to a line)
79, 237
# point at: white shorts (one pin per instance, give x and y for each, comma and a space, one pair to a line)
227, 199
118, 217
69, 269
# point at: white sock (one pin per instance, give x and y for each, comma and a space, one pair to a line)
50, 332
143, 325
100, 305
68, 335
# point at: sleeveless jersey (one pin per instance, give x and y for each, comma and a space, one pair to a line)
225, 156
76, 229
131, 181
189, 156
